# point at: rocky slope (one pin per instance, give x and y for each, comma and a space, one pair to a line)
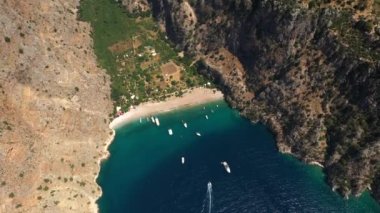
54, 106
308, 69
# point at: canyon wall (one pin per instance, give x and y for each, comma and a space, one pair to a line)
54, 109
310, 70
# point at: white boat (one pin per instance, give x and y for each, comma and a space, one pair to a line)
226, 167
198, 134
170, 131
217, 105
157, 121
212, 111
185, 125
140, 120
153, 120
206, 117
183, 160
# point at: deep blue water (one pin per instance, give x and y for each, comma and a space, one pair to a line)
144, 173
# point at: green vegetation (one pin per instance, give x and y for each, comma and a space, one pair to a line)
377, 7
5, 126
352, 35
364, 26
132, 50
7, 39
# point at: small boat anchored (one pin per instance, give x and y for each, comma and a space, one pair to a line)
206, 117
226, 166
185, 125
183, 160
153, 120
198, 134
170, 131
157, 121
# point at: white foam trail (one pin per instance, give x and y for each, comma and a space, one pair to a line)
208, 198
209, 192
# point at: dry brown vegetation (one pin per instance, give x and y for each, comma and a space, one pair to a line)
49, 82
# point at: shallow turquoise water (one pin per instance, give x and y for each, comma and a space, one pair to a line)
144, 172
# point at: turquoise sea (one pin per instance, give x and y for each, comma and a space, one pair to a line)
144, 173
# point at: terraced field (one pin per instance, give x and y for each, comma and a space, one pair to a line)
134, 51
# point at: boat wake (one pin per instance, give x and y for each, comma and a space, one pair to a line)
207, 202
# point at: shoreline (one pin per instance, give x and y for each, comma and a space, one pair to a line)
315, 163
194, 97
105, 155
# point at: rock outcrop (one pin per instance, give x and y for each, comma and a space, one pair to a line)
309, 69
136, 6
54, 109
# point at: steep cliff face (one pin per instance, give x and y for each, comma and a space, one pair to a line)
309, 69
54, 106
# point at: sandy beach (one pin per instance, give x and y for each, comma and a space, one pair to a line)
193, 97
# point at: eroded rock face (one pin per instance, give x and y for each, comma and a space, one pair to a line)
134, 6
54, 107
308, 69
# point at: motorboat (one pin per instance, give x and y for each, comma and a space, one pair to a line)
226, 166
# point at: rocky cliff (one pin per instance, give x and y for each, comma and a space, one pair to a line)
54, 106
308, 69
